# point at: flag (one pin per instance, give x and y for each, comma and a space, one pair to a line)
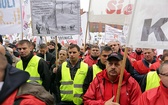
149, 25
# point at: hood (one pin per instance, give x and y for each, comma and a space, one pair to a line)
13, 79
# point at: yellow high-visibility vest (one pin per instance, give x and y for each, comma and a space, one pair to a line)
32, 69
71, 90
96, 70
152, 80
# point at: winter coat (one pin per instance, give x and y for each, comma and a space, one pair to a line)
156, 96
102, 89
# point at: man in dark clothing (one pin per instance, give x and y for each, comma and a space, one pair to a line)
37, 67
49, 58
15, 52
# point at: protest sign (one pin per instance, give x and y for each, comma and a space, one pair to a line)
55, 18
10, 17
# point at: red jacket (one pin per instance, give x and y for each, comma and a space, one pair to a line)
136, 56
141, 66
89, 60
27, 99
155, 65
101, 89
156, 96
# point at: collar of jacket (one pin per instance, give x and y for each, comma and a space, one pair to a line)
77, 65
100, 65
103, 74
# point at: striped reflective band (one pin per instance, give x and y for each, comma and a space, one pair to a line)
77, 95
66, 92
78, 85
67, 82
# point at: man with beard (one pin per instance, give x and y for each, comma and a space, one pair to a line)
43, 53
34, 65
93, 57
137, 55
70, 77
103, 88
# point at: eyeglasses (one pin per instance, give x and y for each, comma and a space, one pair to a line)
166, 75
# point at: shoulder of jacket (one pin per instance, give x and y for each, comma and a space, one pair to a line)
36, 90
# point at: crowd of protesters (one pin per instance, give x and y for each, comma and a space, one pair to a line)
80, 75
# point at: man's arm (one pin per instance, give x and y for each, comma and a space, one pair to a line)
45, 74
57, 84
88, 79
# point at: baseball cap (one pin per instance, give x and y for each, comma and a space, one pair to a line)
115, 55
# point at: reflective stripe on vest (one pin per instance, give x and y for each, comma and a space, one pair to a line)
32, 69
71, 90
152, 80
96, 70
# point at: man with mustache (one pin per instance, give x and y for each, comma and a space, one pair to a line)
103, 89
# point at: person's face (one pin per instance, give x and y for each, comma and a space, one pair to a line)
138, 49
24, 49
103, 56
95, 52
113, 67
164, 75
62, 55
165, 59
114, 46
51, 46
82, 49
43, 51
148, 54
73, 54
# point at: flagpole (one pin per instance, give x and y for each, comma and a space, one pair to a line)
56, 51
21, 18
121, 75
87, 24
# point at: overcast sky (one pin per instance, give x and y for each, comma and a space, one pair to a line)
84, 4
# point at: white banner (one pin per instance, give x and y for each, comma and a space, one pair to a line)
149, 27
114, 33
10, 17
81, 37
110, 11
54, 18
26, 17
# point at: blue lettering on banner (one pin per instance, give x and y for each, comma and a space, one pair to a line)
7, 3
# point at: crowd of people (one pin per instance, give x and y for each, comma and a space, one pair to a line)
82, 75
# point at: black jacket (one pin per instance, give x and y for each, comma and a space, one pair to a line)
13, 79
50, 59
